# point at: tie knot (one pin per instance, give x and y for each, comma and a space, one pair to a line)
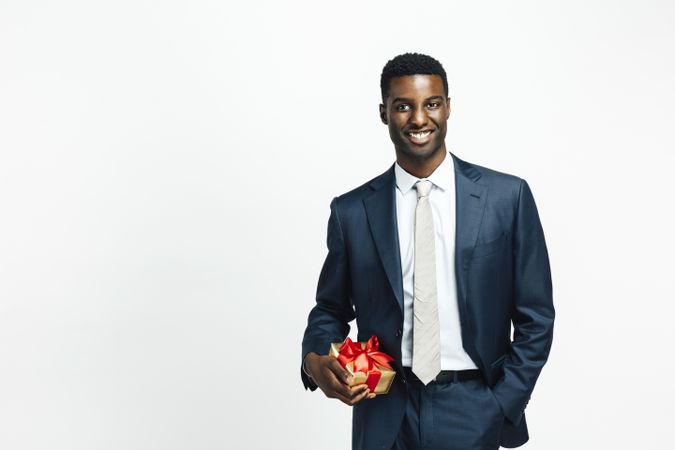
423, 188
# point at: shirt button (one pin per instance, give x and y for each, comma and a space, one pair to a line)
398, 333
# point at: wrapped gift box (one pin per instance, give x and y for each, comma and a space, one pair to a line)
365, 362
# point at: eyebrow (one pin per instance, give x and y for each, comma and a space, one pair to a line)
409, 100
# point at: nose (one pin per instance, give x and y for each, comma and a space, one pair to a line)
419, 117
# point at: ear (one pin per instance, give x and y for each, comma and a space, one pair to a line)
447, 116
383, 114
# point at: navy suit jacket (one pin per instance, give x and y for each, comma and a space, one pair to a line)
503, 280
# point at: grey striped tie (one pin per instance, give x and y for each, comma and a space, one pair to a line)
426, 329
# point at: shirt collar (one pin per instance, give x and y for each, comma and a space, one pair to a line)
441, 177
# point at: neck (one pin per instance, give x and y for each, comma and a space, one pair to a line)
421, 167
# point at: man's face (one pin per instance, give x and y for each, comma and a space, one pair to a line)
416, 112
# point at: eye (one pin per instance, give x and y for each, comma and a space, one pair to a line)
403, 107
433, 105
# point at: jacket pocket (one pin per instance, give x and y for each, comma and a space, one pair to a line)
490, 247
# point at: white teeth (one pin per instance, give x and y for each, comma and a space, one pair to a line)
420, 135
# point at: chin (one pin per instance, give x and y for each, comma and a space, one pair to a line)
421, 152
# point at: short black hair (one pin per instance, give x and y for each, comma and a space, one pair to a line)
410, 64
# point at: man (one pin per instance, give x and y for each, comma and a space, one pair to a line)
437, 257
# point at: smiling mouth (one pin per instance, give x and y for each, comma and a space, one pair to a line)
419, 137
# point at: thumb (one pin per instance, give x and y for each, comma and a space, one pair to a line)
341, 372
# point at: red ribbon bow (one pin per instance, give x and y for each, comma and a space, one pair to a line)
366, 359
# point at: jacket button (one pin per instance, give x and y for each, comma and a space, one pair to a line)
398, 333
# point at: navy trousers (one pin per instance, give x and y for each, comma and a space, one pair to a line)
458, 415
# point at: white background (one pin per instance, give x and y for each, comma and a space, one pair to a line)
165, 175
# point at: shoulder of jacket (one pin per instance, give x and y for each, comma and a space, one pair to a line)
496, 176
505, 185
357, 194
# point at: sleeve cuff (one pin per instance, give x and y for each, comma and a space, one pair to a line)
307, 379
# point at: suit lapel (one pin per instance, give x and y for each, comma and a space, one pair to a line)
470, 198
381, 212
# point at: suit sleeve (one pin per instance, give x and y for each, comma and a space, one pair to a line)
533, 312
329, 319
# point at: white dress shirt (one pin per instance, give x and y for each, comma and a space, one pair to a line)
442, 200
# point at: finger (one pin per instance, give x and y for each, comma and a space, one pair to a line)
336, 382
350, 392
359, 397
335, 389
342, 394
340, 372
344, 400
351, 400
358, 389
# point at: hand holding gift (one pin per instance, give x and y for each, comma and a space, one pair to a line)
335, 381
348, 370
365, 363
